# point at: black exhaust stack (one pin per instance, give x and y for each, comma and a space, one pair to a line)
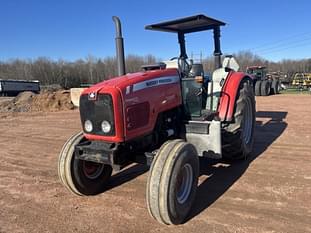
119, 46
217, 51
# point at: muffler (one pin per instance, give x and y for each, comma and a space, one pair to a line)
119, 46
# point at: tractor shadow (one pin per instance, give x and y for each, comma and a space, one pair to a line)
126, 175
222, 175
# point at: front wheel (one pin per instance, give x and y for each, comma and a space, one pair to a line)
79, 176
172, 182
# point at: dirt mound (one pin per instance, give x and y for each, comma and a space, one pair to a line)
52, 101
21, 103
46, 101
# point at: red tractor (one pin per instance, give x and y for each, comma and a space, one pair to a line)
166, 116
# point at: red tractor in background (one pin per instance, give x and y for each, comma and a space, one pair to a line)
166, 116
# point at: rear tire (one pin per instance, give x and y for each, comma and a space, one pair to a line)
238, 136
79, 176
265, 88
275, 87
172, 182
258, 88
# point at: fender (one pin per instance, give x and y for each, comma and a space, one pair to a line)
229, 94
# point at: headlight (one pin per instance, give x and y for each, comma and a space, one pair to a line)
106, 127
88, 126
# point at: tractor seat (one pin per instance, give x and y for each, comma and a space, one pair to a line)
196, 70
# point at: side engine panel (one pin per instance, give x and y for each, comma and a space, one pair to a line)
145, 100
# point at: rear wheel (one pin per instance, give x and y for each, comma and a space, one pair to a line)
265, 88
172, 182
257, 88
238, 136
275, 87
79, 176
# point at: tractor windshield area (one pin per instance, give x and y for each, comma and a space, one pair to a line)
194, 97
194, 91
194, 83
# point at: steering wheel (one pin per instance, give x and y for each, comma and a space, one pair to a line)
173, 58
183, 66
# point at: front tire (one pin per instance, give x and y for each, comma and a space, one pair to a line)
238, 136
79, 176
172, 182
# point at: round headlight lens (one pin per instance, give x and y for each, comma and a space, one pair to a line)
106, 127
88, 126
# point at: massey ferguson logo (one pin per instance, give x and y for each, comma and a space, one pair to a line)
92, 96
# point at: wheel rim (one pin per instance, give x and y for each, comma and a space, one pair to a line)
184, 183
247, 122
92, 170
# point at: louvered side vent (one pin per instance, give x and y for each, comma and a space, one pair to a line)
137, 115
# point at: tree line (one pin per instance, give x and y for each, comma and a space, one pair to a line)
69, 74
93, 70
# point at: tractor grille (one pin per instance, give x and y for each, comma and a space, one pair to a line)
97, 111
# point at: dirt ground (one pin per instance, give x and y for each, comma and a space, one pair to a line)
269, 192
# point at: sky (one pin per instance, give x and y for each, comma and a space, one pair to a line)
75, 29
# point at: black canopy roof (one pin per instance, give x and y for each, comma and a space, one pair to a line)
190, 24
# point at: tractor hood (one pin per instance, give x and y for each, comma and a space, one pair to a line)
127, 82
131, 103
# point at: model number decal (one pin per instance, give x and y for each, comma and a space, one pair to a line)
151, 83
155, 82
